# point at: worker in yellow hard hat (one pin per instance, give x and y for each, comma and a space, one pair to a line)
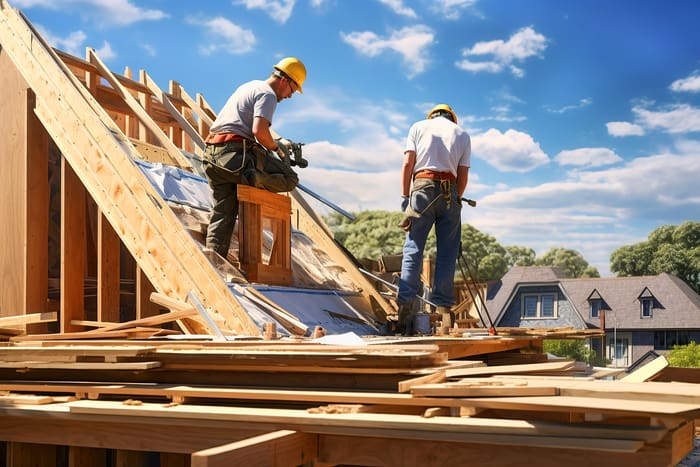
241, 148
434, 176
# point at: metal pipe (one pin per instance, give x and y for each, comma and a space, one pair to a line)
326, 202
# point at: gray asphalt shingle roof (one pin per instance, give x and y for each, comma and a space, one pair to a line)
678, 304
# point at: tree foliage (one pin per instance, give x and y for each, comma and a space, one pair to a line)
685, 356
570, 261
376, 233
574, 349
671, 249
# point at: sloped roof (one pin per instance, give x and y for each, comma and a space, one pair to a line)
678, 304
500, 292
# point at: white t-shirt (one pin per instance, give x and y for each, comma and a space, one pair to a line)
252, 99
440, 145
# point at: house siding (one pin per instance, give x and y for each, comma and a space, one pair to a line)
566, 315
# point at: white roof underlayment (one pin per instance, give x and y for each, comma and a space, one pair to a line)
330, 309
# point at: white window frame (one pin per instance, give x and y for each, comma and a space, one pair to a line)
595, 307
538, 305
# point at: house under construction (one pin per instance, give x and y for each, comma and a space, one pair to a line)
125, 343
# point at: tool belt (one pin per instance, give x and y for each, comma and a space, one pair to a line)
433, 175
221, 138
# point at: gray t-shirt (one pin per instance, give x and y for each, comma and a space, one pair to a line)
252, 99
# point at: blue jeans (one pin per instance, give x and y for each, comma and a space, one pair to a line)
446, 216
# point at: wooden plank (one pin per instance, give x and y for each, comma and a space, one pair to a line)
165, 100
73, 234
510, 369
378, 451
131, 366
59, 428
400, 426
283, 448
86, 457
647, 372
28, 319
145, 118
407, 385
587, 404
481, 389
108, 277
101, 154
31, 454
24, 210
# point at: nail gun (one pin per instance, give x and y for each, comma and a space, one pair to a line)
298, 160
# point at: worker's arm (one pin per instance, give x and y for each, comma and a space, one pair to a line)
409, 162
261, 131
462, 179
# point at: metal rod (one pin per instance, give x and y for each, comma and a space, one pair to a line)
394, 287
333, 206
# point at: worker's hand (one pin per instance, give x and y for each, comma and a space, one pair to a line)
404, 203
284, 149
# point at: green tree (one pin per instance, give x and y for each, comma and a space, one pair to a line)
572, 348
486, 258
371, 235
570, 261
685, 356
520, 256
671, 249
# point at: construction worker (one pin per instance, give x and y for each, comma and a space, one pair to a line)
241, 149
434, 176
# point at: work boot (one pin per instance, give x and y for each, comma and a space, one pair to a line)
448, 316
407, 316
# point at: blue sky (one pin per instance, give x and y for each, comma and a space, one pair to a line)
584, 115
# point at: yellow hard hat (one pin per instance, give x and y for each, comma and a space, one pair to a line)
442, 108
292, 67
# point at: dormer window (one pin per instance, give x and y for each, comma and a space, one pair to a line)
596, 303
647, 304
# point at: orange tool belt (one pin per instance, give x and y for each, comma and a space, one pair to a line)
220, 138
433, 175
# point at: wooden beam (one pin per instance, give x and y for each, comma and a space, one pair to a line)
73, 234
19, 320
101, 156
284, 448
137, 108
108, 276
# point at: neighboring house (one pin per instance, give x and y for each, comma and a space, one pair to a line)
638, 314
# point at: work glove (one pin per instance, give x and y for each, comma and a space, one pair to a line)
404, 203
284, 150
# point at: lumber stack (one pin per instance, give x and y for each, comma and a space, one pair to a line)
305, 403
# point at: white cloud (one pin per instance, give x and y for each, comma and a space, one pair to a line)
520, 46
624, 129
588, 157
678, 118
689, 84
410, 42
106, 53
595, 212
399, 8
226, 36
278, 10
150, 50
512, 151
73, 43
103, 12
560, 110
451, 9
